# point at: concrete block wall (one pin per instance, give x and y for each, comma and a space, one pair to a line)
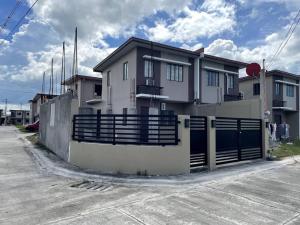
56, 129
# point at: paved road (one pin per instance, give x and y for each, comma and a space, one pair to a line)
28, 196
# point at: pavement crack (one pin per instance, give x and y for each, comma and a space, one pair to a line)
131, 216
291, 219
248, 199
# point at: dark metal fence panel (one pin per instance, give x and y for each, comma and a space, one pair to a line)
238, 139
251, 139
198, 141
126, 129
226, 140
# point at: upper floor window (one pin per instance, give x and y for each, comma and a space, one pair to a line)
277, 89
230, 81
148, 68
289, 90
212, 78
125, 71
175, 72
108, 79
256, 89
98, 90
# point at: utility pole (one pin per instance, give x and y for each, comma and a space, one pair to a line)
262, 89
75, 62
63, 71
52, 77
64, 59
43, 84
50, 85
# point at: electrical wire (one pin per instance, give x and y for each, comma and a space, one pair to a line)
22, 18
11, 14
286, 39
20, 21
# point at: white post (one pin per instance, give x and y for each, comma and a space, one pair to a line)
211, 143
262, 90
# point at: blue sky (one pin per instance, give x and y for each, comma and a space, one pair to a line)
237, 29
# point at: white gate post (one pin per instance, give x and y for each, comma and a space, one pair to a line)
211, 142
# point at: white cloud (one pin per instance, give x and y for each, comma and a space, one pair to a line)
96, 19
193, 47
30, 51
212, 18
288, 60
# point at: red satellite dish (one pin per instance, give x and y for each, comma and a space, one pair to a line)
253, 69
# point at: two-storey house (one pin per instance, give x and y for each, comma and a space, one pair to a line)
19, 117
87, 89
35, 105
147, 77
281, 97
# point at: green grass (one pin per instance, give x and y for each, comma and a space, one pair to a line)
34, 139
21, 128
286, 150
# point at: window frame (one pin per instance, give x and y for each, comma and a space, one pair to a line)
256, 89
148, 68
213, 81
95, 93
125, 71
230, 81
290, 90
277, 89
175, 72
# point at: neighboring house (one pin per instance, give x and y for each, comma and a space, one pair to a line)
19, 117
88, 90
282, 97
146, 77
1, 117
35, 105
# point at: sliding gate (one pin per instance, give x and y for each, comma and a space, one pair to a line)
198, 142
238, 139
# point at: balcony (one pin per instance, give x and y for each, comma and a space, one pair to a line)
228, 98
279, 103
149, 91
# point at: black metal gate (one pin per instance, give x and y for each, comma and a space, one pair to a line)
238, 139
198, 142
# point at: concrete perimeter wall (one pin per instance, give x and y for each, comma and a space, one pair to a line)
237, 109
56, 123
134, 159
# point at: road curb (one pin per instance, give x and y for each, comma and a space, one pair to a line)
64, 169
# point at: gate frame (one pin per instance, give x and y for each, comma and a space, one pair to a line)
263, 137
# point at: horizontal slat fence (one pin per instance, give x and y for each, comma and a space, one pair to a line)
126, 129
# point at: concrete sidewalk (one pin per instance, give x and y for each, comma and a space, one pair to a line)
266, 193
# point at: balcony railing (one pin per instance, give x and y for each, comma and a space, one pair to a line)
147, 89
232, 97
279, 103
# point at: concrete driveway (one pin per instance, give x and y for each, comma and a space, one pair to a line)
29, 196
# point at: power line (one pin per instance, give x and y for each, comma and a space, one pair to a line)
286, 38
11, 14
20, 20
